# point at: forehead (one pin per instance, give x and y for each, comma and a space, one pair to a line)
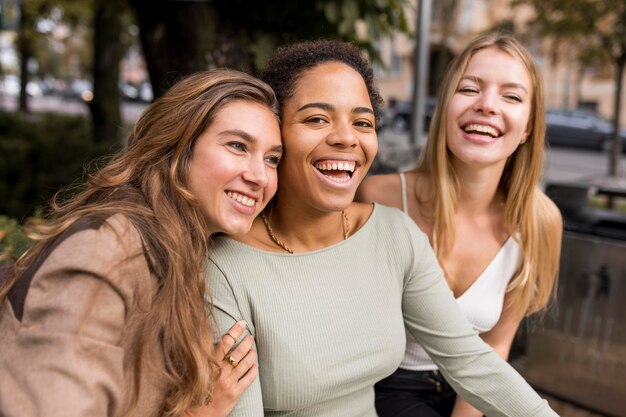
497, 65
246, 116
330, 80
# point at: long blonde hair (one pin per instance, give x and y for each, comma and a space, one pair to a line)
147, 183
526, 207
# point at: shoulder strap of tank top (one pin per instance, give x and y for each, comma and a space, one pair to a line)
405, 207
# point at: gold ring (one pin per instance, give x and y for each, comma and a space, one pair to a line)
234, 362
231, 336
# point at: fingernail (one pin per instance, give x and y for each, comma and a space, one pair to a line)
243, 324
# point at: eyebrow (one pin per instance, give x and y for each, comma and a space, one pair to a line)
330, 107
479, 80
248, 138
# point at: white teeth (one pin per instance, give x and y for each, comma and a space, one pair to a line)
341, 166
339, 180
240, 198
482, 129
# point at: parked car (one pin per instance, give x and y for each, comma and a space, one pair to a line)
579, 128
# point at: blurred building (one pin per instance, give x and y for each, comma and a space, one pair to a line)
455, 22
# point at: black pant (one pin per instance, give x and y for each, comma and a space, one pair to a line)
414, 394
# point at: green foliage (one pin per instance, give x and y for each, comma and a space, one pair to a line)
597, 27
278, 22
13, 240
41, 154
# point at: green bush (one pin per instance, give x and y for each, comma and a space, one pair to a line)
40, 155
13, 240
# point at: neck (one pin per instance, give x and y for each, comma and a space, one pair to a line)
303, 229
478, 188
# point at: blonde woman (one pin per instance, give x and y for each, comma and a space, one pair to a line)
475, 194
106, 314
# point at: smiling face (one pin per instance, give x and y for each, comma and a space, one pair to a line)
329, 137
488, 115
233, 168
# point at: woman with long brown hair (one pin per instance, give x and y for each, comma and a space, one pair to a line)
106, 314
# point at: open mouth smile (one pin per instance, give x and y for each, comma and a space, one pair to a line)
482, 130
337, 171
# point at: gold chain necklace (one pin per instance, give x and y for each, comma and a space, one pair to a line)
344, 223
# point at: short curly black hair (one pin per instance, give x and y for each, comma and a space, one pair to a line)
288, 63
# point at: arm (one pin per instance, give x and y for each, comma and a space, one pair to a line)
500, 338
233, 380
473, 369
227, 311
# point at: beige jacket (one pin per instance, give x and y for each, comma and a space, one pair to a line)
65, 352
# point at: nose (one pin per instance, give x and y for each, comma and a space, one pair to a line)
486, 102
343, 135
256, 172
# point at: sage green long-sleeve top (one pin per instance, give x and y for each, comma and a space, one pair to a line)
329, 324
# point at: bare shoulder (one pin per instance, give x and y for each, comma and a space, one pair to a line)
384, 189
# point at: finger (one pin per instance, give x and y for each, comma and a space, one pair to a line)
245, 356
231, 336
235, 356
245, 364
248, 378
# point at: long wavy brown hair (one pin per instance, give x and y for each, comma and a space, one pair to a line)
147, 183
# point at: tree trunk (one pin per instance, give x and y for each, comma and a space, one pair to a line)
616, 144
25, 48
105, 106
176, 36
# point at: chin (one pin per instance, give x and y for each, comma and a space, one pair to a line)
239, 229
234, 226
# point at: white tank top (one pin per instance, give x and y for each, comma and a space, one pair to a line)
482, 302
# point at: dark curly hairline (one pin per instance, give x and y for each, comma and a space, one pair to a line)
286, 66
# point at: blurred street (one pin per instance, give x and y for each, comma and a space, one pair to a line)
562, 164
130, 110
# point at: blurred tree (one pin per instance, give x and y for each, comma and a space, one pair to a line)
107, 53
443, 16
181, 37
91, 47
26, 38
599, 26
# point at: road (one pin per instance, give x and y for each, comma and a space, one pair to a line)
130, 110
560, 164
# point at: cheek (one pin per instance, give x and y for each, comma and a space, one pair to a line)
272, 184
372, 147
523, 118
